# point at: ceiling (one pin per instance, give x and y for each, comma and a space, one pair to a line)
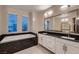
31, 7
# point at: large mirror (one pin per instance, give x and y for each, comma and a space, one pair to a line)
68, 22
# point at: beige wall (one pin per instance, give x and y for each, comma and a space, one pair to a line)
37, 22
3, 19
4, 10
0, 20
30, 21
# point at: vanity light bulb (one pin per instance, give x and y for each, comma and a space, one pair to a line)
45, 14
66, 20
62, 20
50, 12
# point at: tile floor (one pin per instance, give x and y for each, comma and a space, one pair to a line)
34, 50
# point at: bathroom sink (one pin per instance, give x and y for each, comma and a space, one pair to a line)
70, 38
45, 33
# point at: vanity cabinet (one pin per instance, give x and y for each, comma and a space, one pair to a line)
58, 45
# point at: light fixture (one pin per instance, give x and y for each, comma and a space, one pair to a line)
45, 14
64, 7
50, 12
64, 20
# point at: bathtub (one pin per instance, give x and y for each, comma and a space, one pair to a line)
16, 37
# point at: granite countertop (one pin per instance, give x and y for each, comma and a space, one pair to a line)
64, 32
50, 33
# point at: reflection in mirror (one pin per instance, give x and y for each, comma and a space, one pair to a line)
68, 25
77, 26
65, 22
47, 24
65, 26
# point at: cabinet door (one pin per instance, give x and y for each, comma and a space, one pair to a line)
72, 49
45, 41
51, 43
40, 36
59, 46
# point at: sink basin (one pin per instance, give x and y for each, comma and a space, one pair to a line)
67, 37
45, 33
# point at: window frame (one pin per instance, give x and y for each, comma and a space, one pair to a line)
27, 24
16, 23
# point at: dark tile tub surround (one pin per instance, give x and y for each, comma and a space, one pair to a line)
59, 34
15, 46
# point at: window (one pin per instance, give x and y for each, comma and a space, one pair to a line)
12, 23
24, 23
